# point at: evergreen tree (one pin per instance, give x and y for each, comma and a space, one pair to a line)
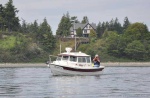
24, 27
64, 26
85, 20
1, 9
126, 23
117, 26
1, 18
11, 20
107, 25
74, 18
35, 27
45, 36
2, 14
79, 32
99, 30
103, 27
111, 25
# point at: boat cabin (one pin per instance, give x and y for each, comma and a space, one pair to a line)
77, 57
73, 59
73, 63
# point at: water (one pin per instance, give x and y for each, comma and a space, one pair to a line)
116, 82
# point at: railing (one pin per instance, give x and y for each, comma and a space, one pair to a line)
50, 60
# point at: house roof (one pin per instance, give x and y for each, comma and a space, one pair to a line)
80, 25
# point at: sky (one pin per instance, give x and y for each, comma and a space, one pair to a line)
96, 10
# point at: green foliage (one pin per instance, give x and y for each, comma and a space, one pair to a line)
136, 31
74, 18
4, 55
64, 26
85, 20
1, 16
7, 42
45, 36
11, 21
112, 40
92, 34
113, 25
132, 44
135, 50
105, 34
99, 30
117, 26
33, 42
79, 32
126, 23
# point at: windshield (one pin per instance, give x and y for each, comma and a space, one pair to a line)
73, 58
84, 59
88, 59
58, 58
81, 59
65, 58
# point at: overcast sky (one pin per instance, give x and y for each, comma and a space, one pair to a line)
96, 10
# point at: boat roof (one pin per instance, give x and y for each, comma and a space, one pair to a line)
74, 54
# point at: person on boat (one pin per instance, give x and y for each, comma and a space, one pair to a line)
96, 61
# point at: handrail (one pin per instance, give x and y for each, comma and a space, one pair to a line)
50, 58
52, 55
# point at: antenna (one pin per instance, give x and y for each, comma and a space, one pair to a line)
74, 33
68, 49
60, 48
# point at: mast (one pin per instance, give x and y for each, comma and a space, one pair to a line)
74, 35
60, 48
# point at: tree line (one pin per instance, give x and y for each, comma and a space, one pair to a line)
23, 41
10, 22
127, 40
134, 43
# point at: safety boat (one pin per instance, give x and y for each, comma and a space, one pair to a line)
73, 63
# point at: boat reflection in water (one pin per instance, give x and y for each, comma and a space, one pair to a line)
73, 63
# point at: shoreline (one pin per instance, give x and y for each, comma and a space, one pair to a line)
126, 64
107, 64
11, 65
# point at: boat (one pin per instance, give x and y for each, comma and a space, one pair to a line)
73, 63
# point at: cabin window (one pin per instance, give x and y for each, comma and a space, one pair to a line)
65, 58
73, 58
81, 59
58, 58
88, 59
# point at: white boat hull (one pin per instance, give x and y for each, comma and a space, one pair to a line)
65, 70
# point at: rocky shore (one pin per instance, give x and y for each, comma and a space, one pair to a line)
107, 64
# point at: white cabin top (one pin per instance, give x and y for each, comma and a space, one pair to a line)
69, 53
74, 54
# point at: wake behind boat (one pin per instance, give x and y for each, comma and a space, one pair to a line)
73, 63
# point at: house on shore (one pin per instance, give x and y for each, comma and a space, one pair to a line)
86, 29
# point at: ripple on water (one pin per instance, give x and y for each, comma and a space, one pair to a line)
116, 82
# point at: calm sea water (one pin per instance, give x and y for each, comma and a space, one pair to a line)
116, 82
